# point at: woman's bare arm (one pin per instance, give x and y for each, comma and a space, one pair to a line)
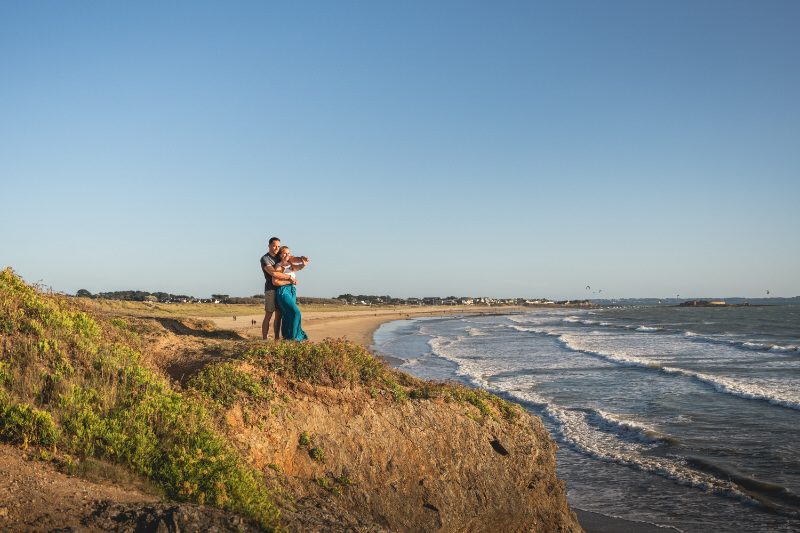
298, 263
276, 272
279, 278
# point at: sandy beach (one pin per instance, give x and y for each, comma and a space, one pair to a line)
357, 325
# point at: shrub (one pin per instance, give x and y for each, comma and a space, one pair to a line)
23, 424
332, 362
225, 383
317, 453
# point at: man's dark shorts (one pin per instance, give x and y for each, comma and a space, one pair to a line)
269, 301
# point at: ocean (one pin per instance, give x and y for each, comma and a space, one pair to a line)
674, 416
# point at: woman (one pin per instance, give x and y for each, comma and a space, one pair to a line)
286, 295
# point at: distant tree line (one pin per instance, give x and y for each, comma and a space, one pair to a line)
309, 300
164, 297
138, 296
368, 298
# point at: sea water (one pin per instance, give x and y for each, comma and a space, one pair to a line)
682, 417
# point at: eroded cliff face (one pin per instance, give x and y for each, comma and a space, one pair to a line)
351, 459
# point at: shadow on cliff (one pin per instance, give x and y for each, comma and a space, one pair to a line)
196, 328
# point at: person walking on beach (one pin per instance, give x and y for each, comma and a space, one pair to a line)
286, 294
268, 262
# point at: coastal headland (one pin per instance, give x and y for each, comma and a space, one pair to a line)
206, 426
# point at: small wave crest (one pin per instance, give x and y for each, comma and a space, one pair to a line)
772, 495
627, 428
578, 320
750, 391
759, 346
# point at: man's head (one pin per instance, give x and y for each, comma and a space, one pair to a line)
274, 246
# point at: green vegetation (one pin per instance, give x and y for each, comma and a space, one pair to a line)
332, 362
317, 453
73, 382
334, 484
26, 425
329, 485
226, 384
339, 363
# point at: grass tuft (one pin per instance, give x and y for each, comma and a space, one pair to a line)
226, 383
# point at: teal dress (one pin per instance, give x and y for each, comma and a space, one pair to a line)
286, 298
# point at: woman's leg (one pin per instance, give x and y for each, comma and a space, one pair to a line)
291, 322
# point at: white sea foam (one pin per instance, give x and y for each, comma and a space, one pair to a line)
749, 390
788, 348
476, 332
475, 370
526, 329
573, 343
573, 428
631, 429
648, 328
734, 341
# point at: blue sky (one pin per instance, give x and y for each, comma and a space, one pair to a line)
409, 148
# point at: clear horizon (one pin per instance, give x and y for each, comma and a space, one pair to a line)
410, 150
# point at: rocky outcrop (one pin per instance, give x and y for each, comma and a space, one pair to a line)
370, 463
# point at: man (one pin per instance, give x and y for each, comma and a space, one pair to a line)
268, 262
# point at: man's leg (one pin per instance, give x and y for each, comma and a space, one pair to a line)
269, 310
265, 325
277, 325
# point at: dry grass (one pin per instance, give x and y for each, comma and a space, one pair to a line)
178, 310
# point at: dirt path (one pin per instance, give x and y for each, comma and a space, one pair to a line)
34, 496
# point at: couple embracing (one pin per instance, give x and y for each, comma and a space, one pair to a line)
280, 294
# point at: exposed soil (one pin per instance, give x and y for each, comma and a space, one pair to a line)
36, 496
